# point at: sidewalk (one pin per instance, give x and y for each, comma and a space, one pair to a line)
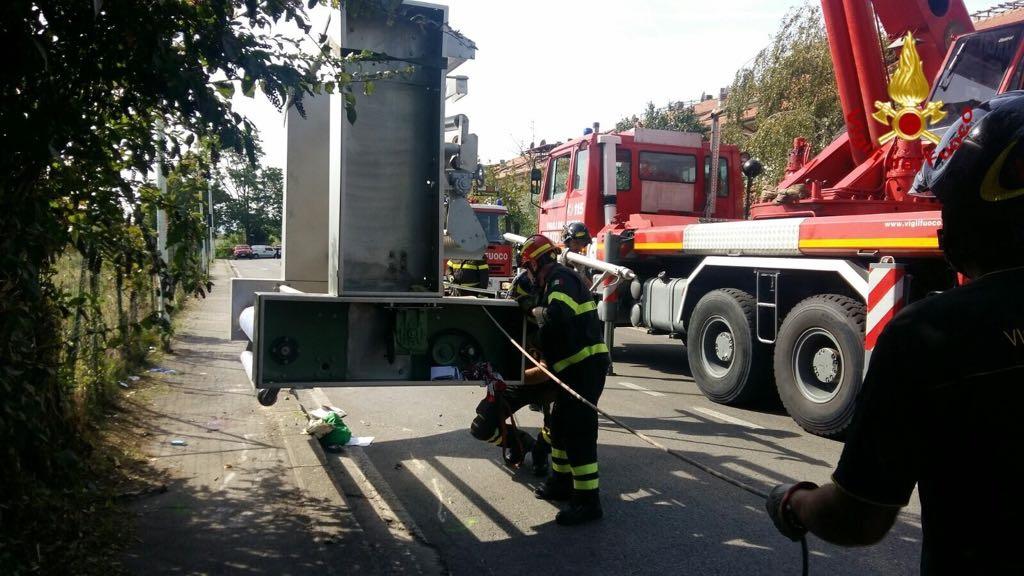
248, 493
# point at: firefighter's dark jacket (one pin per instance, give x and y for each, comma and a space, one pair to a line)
571, 331
471, 273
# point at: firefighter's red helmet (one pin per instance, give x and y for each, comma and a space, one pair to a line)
535, 248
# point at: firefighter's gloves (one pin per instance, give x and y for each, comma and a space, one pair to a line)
539, 314
781, 513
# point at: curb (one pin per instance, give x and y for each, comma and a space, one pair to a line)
372, 483
357, 481
371, 495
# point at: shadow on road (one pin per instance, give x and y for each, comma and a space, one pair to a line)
662, 515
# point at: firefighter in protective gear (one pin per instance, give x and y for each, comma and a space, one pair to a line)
469, 273
576, 238
976, 175
952, 356
536, 390
571, 341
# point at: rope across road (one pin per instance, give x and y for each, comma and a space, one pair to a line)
675, 453
721, 476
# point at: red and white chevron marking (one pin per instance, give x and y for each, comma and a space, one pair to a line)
885, 299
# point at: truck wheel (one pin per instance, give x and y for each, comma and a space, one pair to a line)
819, 362
728, 366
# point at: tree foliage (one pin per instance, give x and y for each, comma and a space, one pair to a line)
513, 189
248, 200
677, 116
792, 87
84, 87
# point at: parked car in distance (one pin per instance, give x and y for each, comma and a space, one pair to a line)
242, 251
263, 251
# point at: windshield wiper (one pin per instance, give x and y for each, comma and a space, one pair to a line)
947, 77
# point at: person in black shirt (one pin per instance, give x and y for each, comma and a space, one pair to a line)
945, 384
571, 341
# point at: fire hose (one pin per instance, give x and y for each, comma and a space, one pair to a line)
721, 476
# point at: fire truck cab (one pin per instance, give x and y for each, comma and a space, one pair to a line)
499, 251
657, 173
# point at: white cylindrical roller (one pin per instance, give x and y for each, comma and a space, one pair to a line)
247, 363
246, 321
599, 265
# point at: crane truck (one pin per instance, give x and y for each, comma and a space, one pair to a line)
797, 293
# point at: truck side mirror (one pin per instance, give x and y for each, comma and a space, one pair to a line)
752, 168
478, 175
535, 178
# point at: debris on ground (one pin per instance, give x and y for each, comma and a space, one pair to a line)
134, 378
329, 429
160, 370
325, 410
122, 384
178, 442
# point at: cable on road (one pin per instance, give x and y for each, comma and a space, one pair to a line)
711, 471
724, 477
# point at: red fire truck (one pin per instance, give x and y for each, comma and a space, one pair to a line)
793, 298
499, 251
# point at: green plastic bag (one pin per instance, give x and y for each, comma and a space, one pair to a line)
340, 435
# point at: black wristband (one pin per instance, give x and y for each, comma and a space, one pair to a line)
787, 508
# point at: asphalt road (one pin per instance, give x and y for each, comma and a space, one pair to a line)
662, 515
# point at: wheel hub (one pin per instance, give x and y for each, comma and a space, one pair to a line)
724, 346
818, 365
826, 365
718, 346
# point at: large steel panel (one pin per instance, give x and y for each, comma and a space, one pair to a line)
306, 340
304, 226
386, 170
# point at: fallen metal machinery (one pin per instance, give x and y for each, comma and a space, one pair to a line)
373, 208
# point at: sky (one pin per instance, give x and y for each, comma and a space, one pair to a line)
545, 70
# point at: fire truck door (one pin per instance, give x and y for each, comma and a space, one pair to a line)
552, 216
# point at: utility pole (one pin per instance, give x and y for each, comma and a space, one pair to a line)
209, 224
161, 216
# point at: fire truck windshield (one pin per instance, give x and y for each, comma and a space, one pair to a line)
490, 223
976, 69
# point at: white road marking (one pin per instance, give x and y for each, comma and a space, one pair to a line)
638, 388
441, 516
726, 418
740, 542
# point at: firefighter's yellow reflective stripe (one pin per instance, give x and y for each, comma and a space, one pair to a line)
561, 468
495, 436
556, 453
546, 435
580, 356
585, 469
521, 291
577, 308
544, 248
585, 484
466, 266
